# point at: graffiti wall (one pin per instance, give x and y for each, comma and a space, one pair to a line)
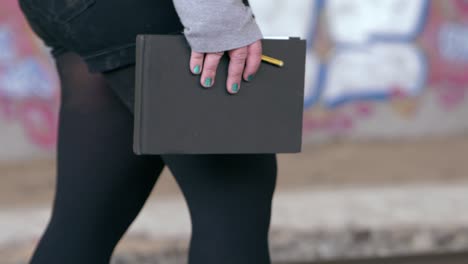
375, 69
29, 89
378, 69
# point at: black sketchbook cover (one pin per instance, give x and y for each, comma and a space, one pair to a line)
174, 114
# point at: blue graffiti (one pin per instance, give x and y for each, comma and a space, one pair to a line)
374, 46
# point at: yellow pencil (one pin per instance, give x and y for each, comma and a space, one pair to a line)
273, 61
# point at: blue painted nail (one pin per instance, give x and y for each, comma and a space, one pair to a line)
196, 69
208, 82
235, 88
250, 77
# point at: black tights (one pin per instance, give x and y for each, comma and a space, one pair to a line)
102, 185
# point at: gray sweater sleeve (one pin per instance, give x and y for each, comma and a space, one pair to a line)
217, 25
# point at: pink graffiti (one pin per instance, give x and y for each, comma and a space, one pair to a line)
444, 36
430, 42
6, 109
446, 68
363, 110
397, 92
461, 6
451, 96
335, 124
39, 121
341, 121
38, 116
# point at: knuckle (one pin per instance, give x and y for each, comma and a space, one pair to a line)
234, 77
217, 55
211, 66
242, 55
256, 50
209, 71
213, 60
237, 63
197, 57
256, 53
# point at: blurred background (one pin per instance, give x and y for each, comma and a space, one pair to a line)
385, 162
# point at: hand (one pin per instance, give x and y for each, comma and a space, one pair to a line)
244, 63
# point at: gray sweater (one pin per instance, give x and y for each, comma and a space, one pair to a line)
217, 25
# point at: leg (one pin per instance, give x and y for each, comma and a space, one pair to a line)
229, 198
101, 184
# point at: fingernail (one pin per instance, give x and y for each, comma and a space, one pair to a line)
196, 69
250, 77
235, 88
208, 82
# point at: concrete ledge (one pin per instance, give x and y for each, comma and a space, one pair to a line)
307, 225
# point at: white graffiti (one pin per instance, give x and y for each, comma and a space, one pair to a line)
296, 18
374, 72
361, 21
374, 54
284, 18
26, 78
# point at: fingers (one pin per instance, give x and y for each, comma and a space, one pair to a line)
196, 62
209, 68
244, 64
236, 68
254, 59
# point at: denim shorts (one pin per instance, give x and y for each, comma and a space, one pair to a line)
102, 32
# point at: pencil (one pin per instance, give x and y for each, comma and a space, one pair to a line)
273, 61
